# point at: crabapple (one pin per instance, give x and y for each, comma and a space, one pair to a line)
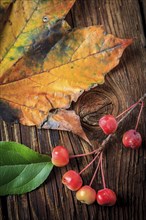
108, 124
106, 197
72, 180
60, 156
86, 194
132, 138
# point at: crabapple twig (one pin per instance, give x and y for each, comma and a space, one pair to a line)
103, 145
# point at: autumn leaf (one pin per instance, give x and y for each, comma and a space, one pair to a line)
5, 7
35, 18
40, 83
4, 4
32, 61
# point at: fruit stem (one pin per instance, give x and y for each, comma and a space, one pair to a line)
125, 116
89, 164
138, 119
102, 173
81, 155
95, 172
131, 107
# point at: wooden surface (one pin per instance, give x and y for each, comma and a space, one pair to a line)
124, 169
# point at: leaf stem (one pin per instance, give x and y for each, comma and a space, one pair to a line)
138, 119
89, 164
95, 172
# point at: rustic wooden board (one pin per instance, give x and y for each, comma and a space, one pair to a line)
124, 169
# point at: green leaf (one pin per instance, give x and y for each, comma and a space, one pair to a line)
21, 169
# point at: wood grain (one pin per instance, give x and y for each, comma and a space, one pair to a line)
124, 169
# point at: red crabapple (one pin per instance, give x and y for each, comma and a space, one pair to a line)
60, 156
132, 139
86, 194
106, 197
72, 180
108, 124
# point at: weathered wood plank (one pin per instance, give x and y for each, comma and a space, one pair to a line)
124, 169
142, 6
